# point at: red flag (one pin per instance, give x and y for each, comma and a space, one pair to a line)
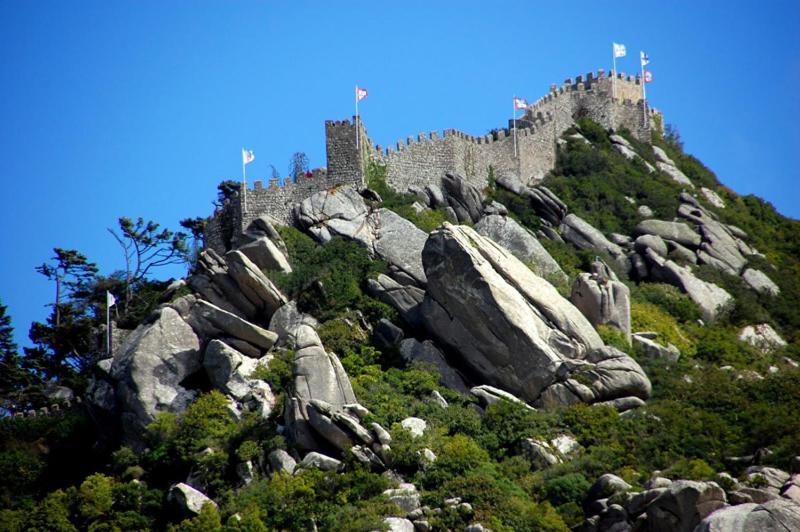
520, 103
360, 93
648, 76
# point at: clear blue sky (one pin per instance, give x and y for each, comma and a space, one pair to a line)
140, 108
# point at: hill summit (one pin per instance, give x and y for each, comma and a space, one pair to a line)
568, 323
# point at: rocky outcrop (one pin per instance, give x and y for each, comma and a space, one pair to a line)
150, 368
677, 506
413, 350
652, 349
464, 198
545, 204
522, 244
763, 337
230, 372
709, 297
712, 197
758, 281
722, 245
343, 212
602, 298
255, 286
584, 236
675, 231
667, 165
405, 299
188, 500
512, 327
210, 321
777, 515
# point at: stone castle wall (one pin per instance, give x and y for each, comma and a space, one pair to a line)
424, 158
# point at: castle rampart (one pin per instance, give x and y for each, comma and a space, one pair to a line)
424, 158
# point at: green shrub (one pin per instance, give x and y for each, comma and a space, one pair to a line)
569, 488
669, 299
646, 316
614, 337
695, 469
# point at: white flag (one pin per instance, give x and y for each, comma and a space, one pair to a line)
644, 58
110, 299
247, 156
520, 103
360, 93
619, 50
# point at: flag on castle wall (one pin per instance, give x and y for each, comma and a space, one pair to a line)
648, 76
619, 50
520, 103
645, 59
110, 299
247, 156
361, 93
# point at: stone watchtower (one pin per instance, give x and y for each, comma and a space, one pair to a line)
346, 157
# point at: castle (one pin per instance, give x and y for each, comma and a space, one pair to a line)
614, 103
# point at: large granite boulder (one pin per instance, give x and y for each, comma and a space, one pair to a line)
464, 198
546, 205
209, 321
212, 282
602, 298
150, 367
266, 255
722, 246
522, 244
511, 326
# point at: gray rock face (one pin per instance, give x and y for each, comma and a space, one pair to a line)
654, 242
464, 198
413, 350
778, 515
507, 323
490, 395
398, 524
254, 285
436, 196
522, 244
266, 255
673, 172
712, 197
188, 499
758, 281
547, 205
415, 426
229, 370
653, 349
209, 319
150, 367
709, 297
763, 337
281, 462
320, 461
405, 299
676, 231
722, 246
602, 298
683, 504
214, 284
343, 212
583, 235
317, 375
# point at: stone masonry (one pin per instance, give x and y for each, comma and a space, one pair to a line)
424, 158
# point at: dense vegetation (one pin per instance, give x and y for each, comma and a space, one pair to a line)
700, 413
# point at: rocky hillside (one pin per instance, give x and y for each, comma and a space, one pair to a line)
615, 348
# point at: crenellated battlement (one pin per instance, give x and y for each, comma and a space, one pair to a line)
526, 148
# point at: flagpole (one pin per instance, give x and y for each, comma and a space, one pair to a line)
614, 71
244, 184
108, 327
356, 124
514, 115
644, 94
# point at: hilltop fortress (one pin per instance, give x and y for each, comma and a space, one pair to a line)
423, 159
